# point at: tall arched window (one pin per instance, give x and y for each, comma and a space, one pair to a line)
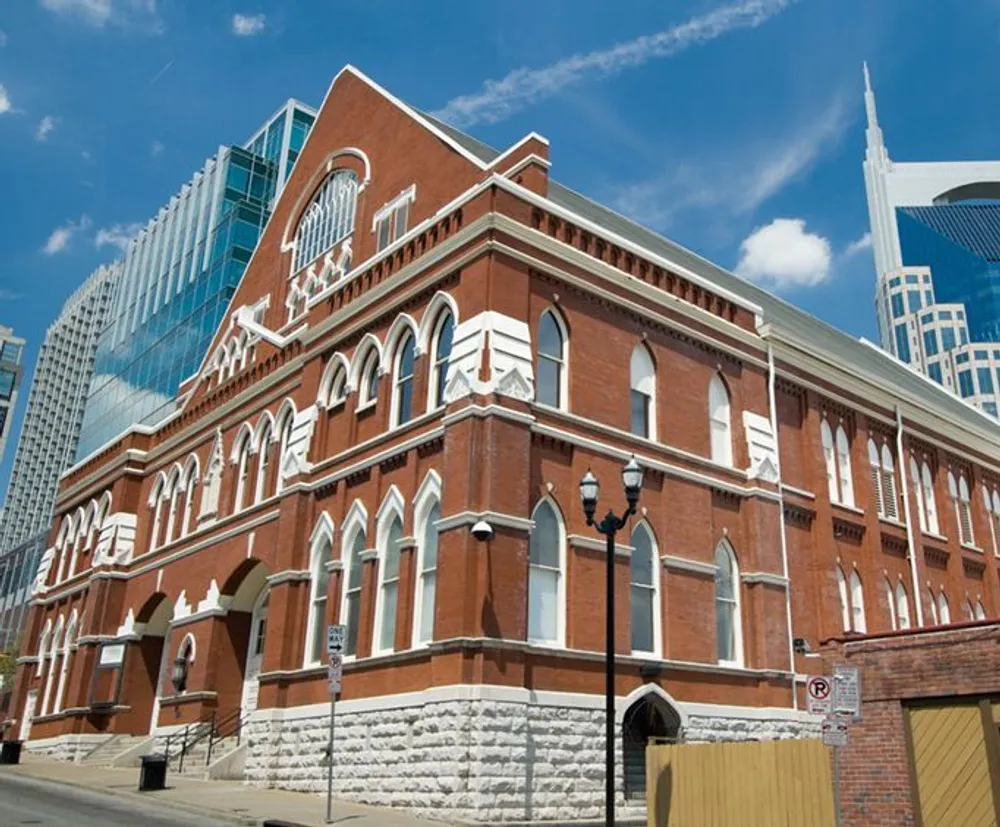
426, 513
403, 381
354, 547
286, 421
369, 380
190, 484
845, 600
263, 462
642, 393
388, 597
550, 375
728, 634
980, 610
444, 336
918, 493
829, 460
902, 606
174, 495
320, 555
719, 421
241, 459
944, 610
890, 600
328, 220
50, 678
890, 500
156, 497
933, 604
844, 467
44, 640
958, 490
338, 386
930, 505
858, 623
968, 613
645, 613
992, 502
69, 644
546, 583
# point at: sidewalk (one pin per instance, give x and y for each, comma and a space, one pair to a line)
225, 800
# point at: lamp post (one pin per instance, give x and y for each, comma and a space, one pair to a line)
590, 488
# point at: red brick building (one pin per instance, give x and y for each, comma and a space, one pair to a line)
432, 333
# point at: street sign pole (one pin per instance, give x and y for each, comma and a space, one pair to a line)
329, 764
836, 786
335, 634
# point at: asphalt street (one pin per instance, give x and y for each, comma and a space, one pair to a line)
26, 801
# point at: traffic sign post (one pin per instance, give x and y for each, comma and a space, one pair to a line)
847, 691
335, 636
819, 691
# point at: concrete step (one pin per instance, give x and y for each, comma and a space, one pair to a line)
117, 745
196, 756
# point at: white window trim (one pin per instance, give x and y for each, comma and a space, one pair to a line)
356, 522
560, 641
428, 495
738, 619
657, 650
560, 323
397, 360
442, 315
323, 532
409, 195
393, 507
717, 385
635, 386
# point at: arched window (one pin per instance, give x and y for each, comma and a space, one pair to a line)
354, 547
388, 595
728, 634
959, 493
444, 335
890, 502
844, 467
212, 487
43, 647
829, 460
550, 376
902, 606
546, 583
968, 613
890, 600
930, 506
845, 600
263, 462
933, 604
173, 495
69, 644
918, 493
402, 401
858, 623
50, 678
190, 484
645, 613
642, 393
338, 386
719, 421
286, 421
241, 458
944, 610
156, 498
369, 380
980, 610
186, 653
328, 220
426, 512
320, 555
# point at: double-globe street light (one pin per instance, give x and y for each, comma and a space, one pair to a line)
590, 489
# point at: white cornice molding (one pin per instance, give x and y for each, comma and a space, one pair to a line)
495, 518
483, 411
767, 578
669, 561
593, 544
288, 576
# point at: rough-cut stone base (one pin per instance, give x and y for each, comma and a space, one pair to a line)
472, 760
66, 747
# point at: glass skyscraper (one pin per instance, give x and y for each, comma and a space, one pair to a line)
11, 348
179, 274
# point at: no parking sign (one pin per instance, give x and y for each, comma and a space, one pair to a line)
819, 690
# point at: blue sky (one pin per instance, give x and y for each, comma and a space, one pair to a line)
734, 128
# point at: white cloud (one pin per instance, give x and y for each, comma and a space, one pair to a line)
156, 148
247, 25
118, 235
61, 236
133, 14
782, 255
863, 243
8, 295
5, 104
85, 154
523, 87
3, 38
45, 127
738, 179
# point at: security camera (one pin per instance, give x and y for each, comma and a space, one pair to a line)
482, 530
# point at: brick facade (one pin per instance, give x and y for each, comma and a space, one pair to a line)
163, 548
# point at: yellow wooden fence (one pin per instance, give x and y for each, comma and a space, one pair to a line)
757, 784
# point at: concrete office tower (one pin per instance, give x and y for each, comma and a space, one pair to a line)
936, 241
11, 348
179, 274
51, 426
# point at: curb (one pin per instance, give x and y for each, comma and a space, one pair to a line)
146, 798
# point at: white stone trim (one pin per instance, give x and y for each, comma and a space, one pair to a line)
765, 577
194, 617
368, 554
669, 561
801, 492
483, 411
514, 147
593, 544
492, 517
526, 161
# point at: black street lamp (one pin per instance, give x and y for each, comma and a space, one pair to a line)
590, 488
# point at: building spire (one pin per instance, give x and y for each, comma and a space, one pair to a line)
875, 149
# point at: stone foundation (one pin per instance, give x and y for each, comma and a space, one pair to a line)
482, 758
66, 747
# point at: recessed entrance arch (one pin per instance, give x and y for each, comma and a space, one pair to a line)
247, 623
154, 650
651, 717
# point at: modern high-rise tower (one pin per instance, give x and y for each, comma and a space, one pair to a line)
936, 240
54, 412
11, 348
179, 274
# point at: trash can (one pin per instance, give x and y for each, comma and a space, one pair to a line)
10, 752
153, 775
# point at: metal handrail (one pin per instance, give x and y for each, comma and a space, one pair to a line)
234, 719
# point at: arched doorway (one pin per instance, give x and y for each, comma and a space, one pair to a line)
250, 597
650, 719
154, 647
255, 653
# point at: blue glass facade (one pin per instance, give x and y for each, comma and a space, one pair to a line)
179, 275
961, 245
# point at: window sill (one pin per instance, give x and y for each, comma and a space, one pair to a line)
890, 521
730, 664
850, 509
968, 547
939, 537
363, 409
547, 644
